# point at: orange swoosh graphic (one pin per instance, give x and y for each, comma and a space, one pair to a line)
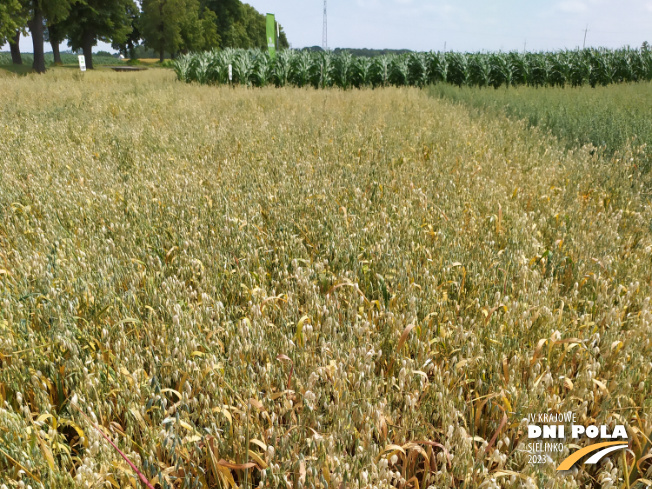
571, 459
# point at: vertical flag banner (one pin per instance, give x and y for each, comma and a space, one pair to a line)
271, 35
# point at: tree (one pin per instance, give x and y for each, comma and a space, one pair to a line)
282, 39
54, 35
14, 48
240, 25
38, 12
13, 18
176, 26
209, 30
36, 27
228, 12
160, 25
190, 28
93, 20
128, 46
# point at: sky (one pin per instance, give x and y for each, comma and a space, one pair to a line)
462, 25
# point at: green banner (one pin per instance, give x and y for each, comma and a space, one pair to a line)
271, 35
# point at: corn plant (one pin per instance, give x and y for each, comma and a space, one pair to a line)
281, 68
182, 65
362, 72
501, 71
322, 70
399, 70
574, 68
480, 71
417, 68
380, 70
263, 69
343, 70
458, 69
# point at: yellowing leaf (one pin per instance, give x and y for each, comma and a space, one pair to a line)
43, 417
186, 425
601, 385
177, 393
257, 404
298, 336
404, 335
393, 448
256, 458
259, 443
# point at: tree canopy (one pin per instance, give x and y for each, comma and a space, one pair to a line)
12, 18
240, 25
169, 27
90, 21
178, 26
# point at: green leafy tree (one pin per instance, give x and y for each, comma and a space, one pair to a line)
38, 13
128, 46
14, 48
228, 12
13, 19
90, 21
211, 37
190, 28
160, 25
175, 26
240, 25
55, 36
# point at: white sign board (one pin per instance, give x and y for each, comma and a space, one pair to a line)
230, 73
82, 62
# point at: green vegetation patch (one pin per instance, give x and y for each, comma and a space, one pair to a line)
612, 118
66, 58
344, 70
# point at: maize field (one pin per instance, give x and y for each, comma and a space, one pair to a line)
215, 287
256, 68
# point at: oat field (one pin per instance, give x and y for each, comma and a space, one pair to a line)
293, 288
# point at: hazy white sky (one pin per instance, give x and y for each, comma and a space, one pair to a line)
464, 25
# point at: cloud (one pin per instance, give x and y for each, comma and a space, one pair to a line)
368, 3
572, 7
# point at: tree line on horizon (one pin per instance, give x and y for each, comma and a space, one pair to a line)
165, 26
364, 52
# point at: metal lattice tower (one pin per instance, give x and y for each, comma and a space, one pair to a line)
324, 35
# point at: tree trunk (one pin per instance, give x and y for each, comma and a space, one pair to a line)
36, 28
87, 48
55, 41
14, 47
131, 51
56, 53
161, 56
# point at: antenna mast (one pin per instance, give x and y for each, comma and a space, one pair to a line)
324, 35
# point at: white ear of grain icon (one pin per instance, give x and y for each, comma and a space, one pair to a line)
595, 458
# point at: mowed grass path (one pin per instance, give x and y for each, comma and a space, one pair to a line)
354, 288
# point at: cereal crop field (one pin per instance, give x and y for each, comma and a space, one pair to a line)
299, 288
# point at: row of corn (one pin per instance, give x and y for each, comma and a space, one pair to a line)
326, 69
